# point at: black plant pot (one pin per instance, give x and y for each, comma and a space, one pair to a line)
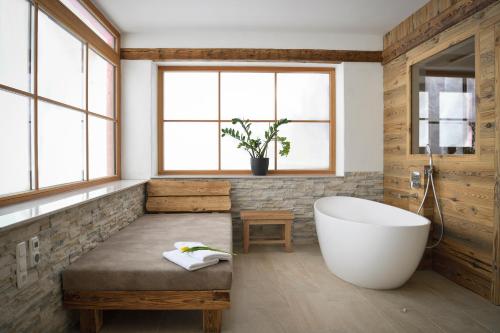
259, 166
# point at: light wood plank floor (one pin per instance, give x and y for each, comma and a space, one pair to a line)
274, 291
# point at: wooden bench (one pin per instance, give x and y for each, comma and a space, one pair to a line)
138, 278
267, 217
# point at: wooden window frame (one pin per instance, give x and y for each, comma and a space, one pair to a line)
69, 21
414, 57
243, 69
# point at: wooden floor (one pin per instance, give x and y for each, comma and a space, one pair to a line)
274, 291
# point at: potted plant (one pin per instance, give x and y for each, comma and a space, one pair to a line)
257, 148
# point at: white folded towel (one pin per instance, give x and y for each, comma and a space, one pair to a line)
188, 262
204, 255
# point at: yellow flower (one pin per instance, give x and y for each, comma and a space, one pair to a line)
184, 249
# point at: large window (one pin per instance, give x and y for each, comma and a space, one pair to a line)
58, 118
196, 102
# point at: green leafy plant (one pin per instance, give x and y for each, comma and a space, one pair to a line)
257, 148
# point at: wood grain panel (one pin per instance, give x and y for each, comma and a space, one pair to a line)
90, 321
212, 321
266, 215
421, 26
147, 300
466, 185
461, 272
185, 204
495, 289
172, 196
72, 22
160, 188
302, 55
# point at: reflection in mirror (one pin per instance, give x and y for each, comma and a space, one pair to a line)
443, 101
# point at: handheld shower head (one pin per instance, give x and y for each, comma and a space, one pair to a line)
428, 151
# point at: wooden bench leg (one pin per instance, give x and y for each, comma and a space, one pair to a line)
90, 321
212, 321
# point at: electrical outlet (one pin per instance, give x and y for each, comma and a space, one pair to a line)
34, 251
22, 266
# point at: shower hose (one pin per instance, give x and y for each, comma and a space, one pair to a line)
430, 182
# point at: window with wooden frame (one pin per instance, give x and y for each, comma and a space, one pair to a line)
443, 101
195, 103
59, 118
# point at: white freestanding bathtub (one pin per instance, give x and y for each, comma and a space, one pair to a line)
369, 244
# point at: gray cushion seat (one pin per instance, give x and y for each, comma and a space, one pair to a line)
132, 258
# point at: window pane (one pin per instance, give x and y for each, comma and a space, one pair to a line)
101, 85
455, 133
190, 146
423, 102
191, 95
101, 148
455, 105
423, 133
83, 14
61, 145
247, 96
303, 96
233, 158
15, 43
15, 138
61, 65
310, 146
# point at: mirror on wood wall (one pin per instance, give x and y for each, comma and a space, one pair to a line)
443, 101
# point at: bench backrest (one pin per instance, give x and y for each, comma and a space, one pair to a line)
174, 196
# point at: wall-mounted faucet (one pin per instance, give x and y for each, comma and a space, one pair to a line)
415, 180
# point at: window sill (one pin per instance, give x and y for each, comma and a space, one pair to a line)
18, 214
245, 176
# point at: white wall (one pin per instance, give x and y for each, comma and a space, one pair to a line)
364, 117
359, 117
210, 38
136, 116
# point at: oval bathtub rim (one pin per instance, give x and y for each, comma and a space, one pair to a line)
420, 217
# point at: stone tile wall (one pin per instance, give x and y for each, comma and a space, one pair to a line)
297, 194
64, 237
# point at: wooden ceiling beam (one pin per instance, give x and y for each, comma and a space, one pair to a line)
233, 54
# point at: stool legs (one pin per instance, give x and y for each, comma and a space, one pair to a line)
288, 237
246, 236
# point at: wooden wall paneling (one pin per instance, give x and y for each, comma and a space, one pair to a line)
159, 188
301, 55
465, 184
174, 196
495, 288
435, 17
427, 211
196, 204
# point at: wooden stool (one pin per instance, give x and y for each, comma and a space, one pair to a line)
256, 217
